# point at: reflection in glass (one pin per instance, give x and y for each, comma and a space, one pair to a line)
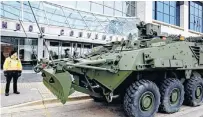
49, 14
28, 52
66, 50
54, 49
10, 9
195, 14
8, 44
167, 11
86, 49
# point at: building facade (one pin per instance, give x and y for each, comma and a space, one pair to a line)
175, 17
78, 26
81, 25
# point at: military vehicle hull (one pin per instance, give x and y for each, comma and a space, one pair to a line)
146, 75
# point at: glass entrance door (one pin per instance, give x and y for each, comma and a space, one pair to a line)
54, 49
8, 44
23, 46
27, 53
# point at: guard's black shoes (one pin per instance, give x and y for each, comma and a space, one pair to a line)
17, 92
6, 94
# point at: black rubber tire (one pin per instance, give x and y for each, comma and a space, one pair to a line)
166, 88
131, 102
190, 87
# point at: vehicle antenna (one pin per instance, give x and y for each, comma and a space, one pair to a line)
41, 35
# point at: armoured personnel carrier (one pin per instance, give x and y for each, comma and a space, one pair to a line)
150, 73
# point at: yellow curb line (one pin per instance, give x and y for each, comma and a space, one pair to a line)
2, 90
47, 101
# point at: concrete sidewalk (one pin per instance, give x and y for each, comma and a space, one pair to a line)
29, 92
25, 78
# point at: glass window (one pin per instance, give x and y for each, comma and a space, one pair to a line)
196, 16
76, 49
108, 11
159, 16
118, 8
172, 11
86, 49
196, 12
166, 8
96, 8
65, 50
98, 2
54, 49
172, 20
118, 5
166, 18
118, 13
131, 8
7, 45
10, 9
27, 54
192, 10
153, 7
124, 8
167, 11
71, 4
83, 5
128, 9
109, 4
160, 6
200, 13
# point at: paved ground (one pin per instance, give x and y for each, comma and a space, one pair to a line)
35, 91
26, 77
87, 108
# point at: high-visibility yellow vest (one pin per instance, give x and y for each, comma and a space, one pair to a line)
12, 64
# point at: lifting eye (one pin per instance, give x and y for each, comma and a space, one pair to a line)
115, 62
51, 80
43, 75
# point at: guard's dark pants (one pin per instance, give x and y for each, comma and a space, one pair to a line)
10, 75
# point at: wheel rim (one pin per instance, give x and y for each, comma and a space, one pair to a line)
147, 101
198, 92
174, 96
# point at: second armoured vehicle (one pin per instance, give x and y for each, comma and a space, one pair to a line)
148, 73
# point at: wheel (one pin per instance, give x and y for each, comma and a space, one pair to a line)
194, 91
141, 99
172, 95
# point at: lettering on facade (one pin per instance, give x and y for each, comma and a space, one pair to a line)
104, 37
88, 35
17, 26
71, 33
96, 36
4, 25
80, 34
30, 28
62, 32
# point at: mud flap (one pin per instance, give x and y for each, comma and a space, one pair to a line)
58, 83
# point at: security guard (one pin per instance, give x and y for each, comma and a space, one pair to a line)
12, 69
